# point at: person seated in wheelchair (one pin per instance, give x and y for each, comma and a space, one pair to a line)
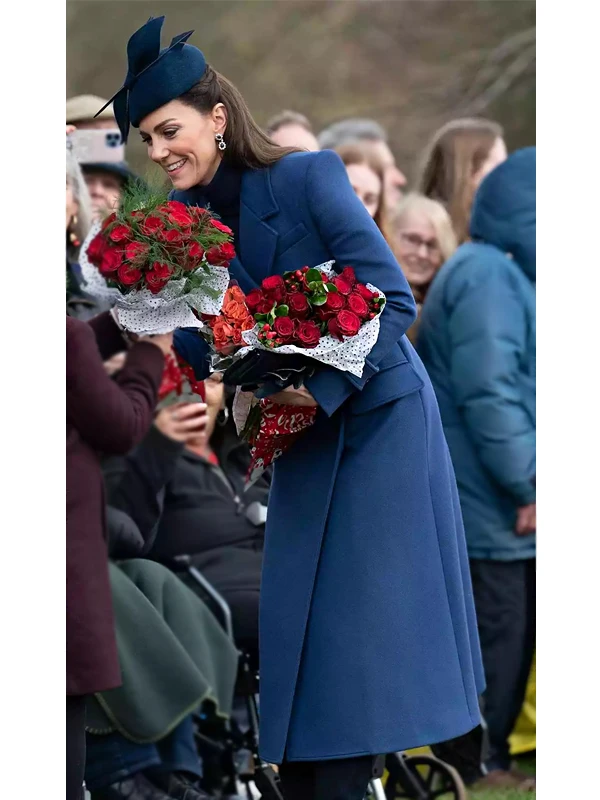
185, 492
175, 661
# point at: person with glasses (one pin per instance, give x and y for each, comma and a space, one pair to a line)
423, 240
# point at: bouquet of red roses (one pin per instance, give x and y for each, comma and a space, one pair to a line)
287, 325
159, 260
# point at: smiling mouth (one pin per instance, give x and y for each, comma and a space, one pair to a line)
177, 165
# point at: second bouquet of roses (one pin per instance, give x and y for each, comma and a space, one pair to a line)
277, 335
159, 260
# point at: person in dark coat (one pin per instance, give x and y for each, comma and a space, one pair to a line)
477, 341
368, 639
186, 495
102, 416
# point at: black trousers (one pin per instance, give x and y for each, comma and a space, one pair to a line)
343, 779
504, 594
75, 746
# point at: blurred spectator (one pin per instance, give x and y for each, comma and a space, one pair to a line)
80, 304
423, 240
188, 490
459, 156
477, 341
291, 129
370, 133
174, 657
101, 156
367, 176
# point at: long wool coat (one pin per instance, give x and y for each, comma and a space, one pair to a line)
368, 636
109, 416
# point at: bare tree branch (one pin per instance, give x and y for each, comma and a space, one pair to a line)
503, 82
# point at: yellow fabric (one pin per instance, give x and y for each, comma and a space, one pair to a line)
523, 736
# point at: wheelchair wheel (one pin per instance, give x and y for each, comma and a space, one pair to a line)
422, 777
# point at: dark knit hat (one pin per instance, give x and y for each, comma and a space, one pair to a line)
154, 76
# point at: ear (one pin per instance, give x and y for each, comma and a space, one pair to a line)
219, 118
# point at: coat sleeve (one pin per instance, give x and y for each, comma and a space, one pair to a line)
112, 415
192, 348
353, 238
136, 483
487, 327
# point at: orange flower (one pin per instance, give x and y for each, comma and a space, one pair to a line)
235, 293
223, 333
234, 311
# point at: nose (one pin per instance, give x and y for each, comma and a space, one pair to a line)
398, 177
423, 250
159, 152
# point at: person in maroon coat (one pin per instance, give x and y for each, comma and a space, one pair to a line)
107, 416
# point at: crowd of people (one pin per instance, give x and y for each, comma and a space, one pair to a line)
146, 651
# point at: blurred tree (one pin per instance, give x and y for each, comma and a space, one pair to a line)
410, 64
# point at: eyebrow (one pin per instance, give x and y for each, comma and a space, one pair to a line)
159, 126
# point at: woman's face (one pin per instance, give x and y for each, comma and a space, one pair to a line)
496, 156
367, 186
418, 248
72, 204
182, 141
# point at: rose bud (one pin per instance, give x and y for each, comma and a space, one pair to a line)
342, 286
349, 276
364, 292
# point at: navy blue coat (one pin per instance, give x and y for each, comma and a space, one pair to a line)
477, 340
368, 635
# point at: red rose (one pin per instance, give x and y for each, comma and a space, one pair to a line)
111, 261
348, 323
213, 256
348, 275
220, 227
195, 252
196, 211
128, 274
96, 250
253, 300
342, 285
136, 250
158, 277
227, 251
274, 287
284, 327
172, 236
359, 305
308, 334
334, 329
150, 225
180, 213
120, 233
299, 305
364, 292
334, 302
265, 306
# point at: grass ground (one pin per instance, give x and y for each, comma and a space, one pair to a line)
526, 764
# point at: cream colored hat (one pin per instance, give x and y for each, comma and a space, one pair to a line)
85, 106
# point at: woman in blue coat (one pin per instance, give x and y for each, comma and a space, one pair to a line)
368, 634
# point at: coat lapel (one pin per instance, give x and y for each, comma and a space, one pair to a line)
258, 240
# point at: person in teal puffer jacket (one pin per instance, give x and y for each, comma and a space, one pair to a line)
477, 341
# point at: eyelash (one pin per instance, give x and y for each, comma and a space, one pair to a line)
168, 134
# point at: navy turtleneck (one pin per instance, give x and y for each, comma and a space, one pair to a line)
222, 196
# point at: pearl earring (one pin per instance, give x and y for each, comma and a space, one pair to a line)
219, 138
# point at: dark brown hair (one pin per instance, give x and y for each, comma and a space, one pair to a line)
362, 153
454, 155
247, 145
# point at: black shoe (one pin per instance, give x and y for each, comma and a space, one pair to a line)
178, 786
138, 787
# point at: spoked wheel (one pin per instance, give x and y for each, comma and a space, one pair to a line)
422, 778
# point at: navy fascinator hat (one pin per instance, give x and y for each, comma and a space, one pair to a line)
154, 76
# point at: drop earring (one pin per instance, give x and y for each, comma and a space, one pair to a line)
219, 138
73, 236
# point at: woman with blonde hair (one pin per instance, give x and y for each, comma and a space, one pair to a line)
367, 175
458, 158
423, 240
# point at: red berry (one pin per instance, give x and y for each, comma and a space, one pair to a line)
298, 273
372, 315
266, 327
271, 335
305, 269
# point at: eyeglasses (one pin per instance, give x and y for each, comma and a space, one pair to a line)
416, 241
